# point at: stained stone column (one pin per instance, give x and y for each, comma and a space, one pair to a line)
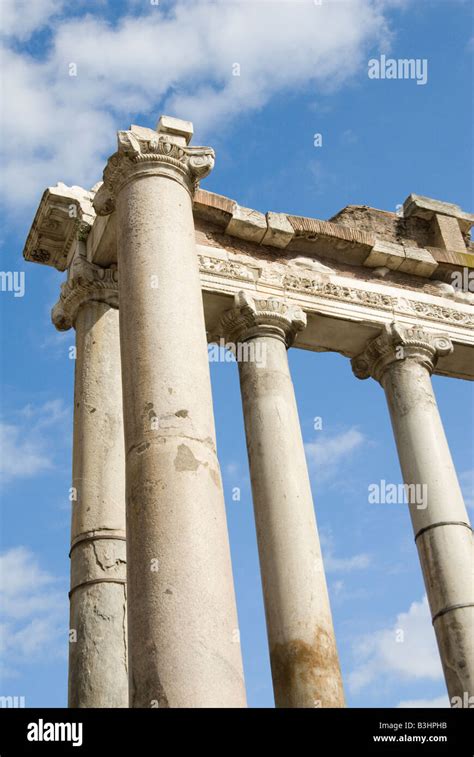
98, 641
402, 360
303, 654
183, 630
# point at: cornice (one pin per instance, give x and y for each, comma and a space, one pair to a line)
64, 216
339, 241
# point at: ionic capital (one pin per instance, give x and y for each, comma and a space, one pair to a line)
146, 152
85, 282
250, 318
397, 343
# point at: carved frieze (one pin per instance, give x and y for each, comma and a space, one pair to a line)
227, 268
435, 312
318, 285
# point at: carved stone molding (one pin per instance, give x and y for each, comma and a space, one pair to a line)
318, 285
227, 268
323, 288
86, 282
396, 343
435, 312
143, 151
64, 216
271, 316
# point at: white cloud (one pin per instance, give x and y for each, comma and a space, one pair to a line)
178, 60
46, 415
33, 610
327, 454
437, 702
333, 564
346, 564
407, 650
23, 444
20, 456
20, 18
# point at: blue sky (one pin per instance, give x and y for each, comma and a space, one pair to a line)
303, 70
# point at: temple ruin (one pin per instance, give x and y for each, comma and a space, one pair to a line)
158, 268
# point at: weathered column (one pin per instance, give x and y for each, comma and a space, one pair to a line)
98, 645
303, 654
402, 360
183, 630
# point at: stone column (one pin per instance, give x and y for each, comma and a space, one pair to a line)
402, 360
183, 629
303, 654
98, 645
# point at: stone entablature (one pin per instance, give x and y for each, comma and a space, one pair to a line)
342, 313
377, 244
325, 268
53, 229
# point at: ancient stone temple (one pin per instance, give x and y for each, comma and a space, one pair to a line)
158, 268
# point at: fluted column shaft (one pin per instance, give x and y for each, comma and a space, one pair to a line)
183, 629
402, 360
303, 653
98, 674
